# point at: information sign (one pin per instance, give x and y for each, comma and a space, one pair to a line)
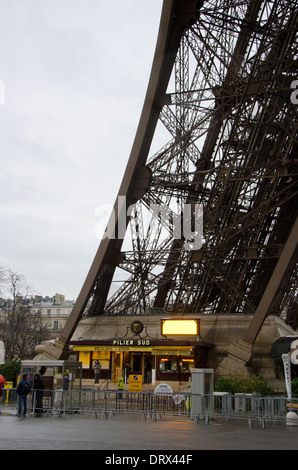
163, 389
135, 383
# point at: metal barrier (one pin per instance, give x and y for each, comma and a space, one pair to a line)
110, 403
275, 409
9, 397
38, 401
249, 407
106, 403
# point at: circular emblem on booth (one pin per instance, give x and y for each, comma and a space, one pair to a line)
136, 327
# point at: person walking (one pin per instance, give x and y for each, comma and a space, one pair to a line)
96, 368
23, 389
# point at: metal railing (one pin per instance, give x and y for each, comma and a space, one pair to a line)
104, 383
249, 407
150, 406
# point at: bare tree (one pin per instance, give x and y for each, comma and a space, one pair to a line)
2, 279
21, 329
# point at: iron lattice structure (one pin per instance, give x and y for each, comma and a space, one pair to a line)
218, 132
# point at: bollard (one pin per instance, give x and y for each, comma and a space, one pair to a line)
7, 387
291, 419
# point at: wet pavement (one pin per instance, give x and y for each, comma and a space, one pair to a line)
129, 432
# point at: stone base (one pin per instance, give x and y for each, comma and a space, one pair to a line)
236, 363
54, 350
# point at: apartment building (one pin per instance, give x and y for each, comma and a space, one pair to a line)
54, 310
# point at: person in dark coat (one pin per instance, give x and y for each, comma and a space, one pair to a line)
97, 369
38, 394
23, 389
148, 370
127, 372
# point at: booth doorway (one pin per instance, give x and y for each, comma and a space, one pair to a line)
137, 363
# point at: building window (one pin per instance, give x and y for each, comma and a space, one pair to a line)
48, 311
55, 325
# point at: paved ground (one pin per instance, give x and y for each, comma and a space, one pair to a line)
129, 433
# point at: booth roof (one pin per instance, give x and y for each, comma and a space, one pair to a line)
50, 363
282, 345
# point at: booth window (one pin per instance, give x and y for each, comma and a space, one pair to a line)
84, 358
175, 364
168, 363
187, 365
103, 357
88, 358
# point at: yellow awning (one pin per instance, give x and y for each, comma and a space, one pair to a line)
155, 350
113, 348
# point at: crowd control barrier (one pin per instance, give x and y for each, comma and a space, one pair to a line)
150, 406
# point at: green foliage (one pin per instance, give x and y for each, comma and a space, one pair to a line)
237, 384
10, 370
295, 386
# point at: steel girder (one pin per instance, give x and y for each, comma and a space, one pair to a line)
218, 132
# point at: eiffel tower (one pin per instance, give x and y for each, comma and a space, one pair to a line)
216, 143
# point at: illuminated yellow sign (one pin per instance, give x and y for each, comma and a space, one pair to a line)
156, 351
112, 348
172, 352
179, 327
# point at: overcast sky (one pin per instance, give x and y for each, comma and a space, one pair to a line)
75, 74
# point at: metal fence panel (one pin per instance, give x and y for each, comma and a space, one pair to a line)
152, 406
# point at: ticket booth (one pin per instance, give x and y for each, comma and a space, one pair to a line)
65, 375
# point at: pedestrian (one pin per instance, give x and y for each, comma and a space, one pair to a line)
148, 370
96, 368
66, 382
23, 389
38, 394
127, 372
